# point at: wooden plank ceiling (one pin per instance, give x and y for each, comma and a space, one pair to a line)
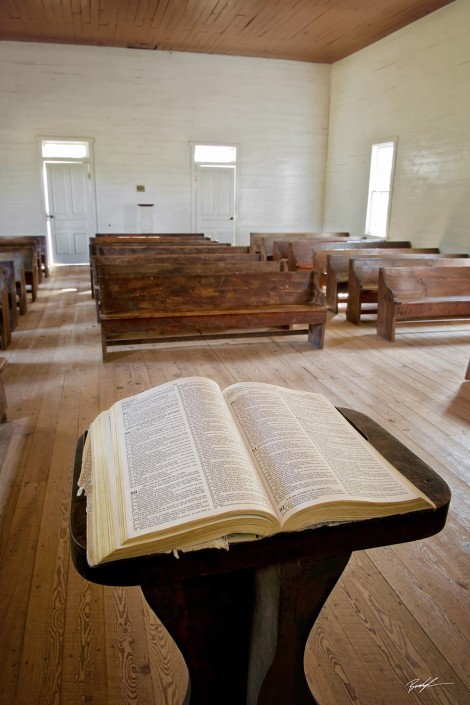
303, 30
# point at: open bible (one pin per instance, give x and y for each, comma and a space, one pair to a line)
185, 463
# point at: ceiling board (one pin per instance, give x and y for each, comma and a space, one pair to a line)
322, 31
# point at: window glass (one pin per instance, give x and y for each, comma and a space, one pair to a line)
64, 150
380, 184
216, 154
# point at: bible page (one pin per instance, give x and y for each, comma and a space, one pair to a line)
308, 453
182, 458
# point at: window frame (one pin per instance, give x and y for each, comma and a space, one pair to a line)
373, 190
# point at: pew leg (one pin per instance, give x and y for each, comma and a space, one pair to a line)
5, 331
353, 309
386, 329
103, 345
316, 335
22, 297
3, 398
386, 319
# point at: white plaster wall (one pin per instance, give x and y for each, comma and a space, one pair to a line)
414, 85
143, 109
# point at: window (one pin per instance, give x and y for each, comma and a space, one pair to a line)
53, 149
215, 154
380, 185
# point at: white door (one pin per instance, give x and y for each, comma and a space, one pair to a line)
70, 211
215, 202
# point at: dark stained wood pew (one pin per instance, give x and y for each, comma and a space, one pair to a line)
155, 235
42, 254
153, 239
37, 242
30, 260
3, 398
333, 266
147, 241
280, 248
141, 307
363, 280
20, 281
8, 266
162, 247
175, 259
172, 264
5, 330
467, 374
263, 242
172, 259
421, 293
121, 240
300, 255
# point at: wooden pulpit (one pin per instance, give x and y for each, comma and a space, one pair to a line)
241, 617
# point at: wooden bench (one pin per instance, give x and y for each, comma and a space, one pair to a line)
145, 241
5, 329
30, 261
421, 293
41, 253
140, 307
122, 240
280, 248
363, 280
467, 374
172, 259
174, 265
44, 255
20, 280
301, 255
164, 249
150, 248
263, 242
8, 266
3, 398
155, 235
40, 242
337, 266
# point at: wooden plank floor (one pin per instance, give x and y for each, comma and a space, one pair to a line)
399, 613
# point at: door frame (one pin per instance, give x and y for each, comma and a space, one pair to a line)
89, 161
193, 172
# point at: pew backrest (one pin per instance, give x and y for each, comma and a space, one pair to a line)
280, 248
366, 271
363, 278
338, 262
421, 293
263, 242
162, 249
412, 283
301, 253
174, 292
154, 235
